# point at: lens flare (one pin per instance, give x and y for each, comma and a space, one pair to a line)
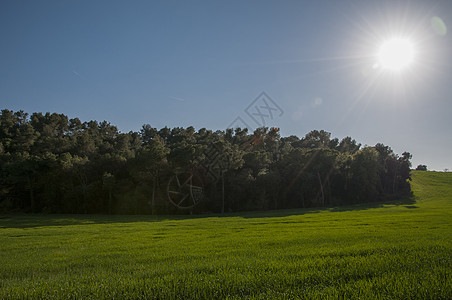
438, 26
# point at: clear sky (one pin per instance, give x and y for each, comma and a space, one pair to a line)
203, 63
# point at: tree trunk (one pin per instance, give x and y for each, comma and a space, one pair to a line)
329, 190
222, 192
153, 198
84, 184
276, 201
109, 201
321, 189
394, 181
32, 197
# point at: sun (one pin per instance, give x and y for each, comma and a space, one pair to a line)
395, 54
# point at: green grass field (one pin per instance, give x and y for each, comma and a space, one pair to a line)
392, 251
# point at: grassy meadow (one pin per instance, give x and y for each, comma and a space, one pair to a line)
397, 250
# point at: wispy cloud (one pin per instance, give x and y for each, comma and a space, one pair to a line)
76, 73
176, 98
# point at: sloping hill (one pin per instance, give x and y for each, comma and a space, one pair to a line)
432, 186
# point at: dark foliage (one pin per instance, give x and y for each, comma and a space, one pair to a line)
421, 168
49, 163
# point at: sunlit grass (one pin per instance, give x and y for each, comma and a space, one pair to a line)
386, 251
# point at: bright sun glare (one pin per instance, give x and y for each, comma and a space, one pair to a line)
396, 54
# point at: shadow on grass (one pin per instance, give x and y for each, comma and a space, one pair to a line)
407, 202
45, 220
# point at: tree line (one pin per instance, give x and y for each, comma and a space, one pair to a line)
53, 164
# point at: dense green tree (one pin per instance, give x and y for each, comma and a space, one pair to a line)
348, 145
364, 171
50, 163
421, 168
108, 183
315, 139
148, 164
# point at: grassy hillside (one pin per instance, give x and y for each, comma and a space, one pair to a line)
390, 251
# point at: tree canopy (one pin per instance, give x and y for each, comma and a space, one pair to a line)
50, 163
421, 168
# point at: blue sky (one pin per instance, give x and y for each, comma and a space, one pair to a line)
202, 63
